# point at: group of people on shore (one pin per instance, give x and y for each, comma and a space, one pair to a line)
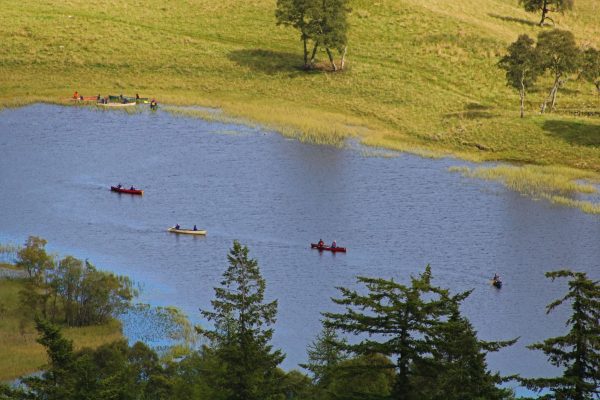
121, 99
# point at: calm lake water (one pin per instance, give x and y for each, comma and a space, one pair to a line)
277, 195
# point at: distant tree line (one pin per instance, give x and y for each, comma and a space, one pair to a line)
322, 24
410, 342
556, 53
69, 290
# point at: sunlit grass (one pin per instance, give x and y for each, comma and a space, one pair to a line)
559, 185
20, 354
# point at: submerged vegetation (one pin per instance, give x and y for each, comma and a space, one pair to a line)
560, 185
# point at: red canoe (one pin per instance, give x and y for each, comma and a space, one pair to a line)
328, 248
125, 190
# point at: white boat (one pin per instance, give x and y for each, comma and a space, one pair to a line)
187, 231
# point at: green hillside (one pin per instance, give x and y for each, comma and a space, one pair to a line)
421, 74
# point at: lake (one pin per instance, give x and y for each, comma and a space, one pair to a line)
276, 195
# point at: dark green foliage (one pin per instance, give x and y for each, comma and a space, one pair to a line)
521, 65
591, 67
457, 367
546, 6
366, 377
322, 22
436, 351
559, 54
113, 371
324, 354
577, 352
241, 335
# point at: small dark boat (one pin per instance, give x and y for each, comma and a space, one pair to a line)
125, 190
497, 283
328, 248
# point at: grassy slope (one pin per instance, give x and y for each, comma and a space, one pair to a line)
421, 72
19, 352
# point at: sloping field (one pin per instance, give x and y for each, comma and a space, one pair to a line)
421, 73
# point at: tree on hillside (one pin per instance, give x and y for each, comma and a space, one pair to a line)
546, 6
322, 23
299, 14
558, 53
33, 257
521, 66
241, 335
577, 352
591, 67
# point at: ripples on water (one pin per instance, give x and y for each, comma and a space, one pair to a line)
395, 215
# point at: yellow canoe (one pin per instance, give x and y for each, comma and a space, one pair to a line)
187, 231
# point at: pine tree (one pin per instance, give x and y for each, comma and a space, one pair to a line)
324, 354
241, 335
457, 367
521, 66
577, 352
398, 315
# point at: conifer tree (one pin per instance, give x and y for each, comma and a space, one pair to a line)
324, 355
241, 335
399, 317
577, 352
521, 66
457, 367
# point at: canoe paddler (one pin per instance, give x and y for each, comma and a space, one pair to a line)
321, 243
177, 226
333, 245
76, 95
195, 228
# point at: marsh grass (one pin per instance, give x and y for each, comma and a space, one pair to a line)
20, 354
560, 185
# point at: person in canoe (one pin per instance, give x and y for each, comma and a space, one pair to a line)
334, 244
195, 227
496, 278
153, 104
177, 226
321, 243
131, 188
76, 95
119, 186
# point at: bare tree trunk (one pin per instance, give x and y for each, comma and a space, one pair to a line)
331, 59
343, 61
314, 53
558, 84
304, 39
552, 95
544, 12
522, 94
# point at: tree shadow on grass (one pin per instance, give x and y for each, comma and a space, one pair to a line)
513, 19
473, 111
268, 61
578, 133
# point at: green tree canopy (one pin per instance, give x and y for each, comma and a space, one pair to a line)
577, 352
521, 66
559, 54
546, 6
591, 67
242, 330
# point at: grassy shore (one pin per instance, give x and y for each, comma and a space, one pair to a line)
19, 352
421, 74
